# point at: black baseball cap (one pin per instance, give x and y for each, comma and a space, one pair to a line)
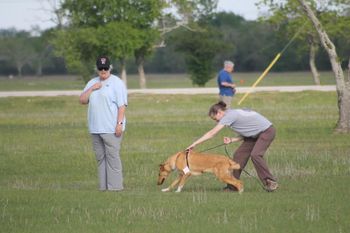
103, 62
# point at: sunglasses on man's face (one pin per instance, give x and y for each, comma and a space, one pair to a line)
103, 68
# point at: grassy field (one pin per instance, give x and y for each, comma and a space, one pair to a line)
48, 178
161, 81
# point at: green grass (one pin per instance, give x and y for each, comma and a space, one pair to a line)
161, 81
48, 178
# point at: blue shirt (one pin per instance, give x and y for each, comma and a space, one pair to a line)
104, 104
225, 76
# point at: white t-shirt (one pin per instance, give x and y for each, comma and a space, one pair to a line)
104, 104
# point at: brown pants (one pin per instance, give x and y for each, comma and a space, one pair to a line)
255, 149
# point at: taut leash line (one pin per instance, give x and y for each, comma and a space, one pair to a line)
211, 148
246, 172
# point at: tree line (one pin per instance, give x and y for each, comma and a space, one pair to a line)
250, 44
208, 34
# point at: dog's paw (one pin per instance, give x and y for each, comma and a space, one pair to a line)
179, 189
241, 191
165, 190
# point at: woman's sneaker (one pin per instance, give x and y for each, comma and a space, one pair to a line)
271, 185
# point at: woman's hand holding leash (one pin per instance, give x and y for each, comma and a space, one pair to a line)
228, 140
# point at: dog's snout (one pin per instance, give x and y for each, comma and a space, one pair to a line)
161, 181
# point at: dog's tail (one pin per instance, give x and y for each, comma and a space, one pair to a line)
234, 165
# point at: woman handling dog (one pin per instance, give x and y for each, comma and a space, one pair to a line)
254, 130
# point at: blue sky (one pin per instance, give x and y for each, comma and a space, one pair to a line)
23, 14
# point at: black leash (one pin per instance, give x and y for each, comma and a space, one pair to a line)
213, 148
246, 172
257, 180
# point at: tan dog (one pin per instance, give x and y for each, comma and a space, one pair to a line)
195, 164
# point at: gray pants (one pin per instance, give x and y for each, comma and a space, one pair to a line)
109, 166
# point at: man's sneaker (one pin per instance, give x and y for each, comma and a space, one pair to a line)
271, 185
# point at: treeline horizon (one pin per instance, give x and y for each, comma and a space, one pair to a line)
251, 45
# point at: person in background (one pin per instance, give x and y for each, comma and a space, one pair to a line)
226, 84
106, 96
256, 133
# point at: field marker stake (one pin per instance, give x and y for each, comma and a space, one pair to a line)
271, 64
260, 78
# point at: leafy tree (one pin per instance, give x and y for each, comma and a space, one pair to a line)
149, 34
43, 50
120, 39
289, 19
200, 43
148, 37
79, 48
166, 60
324, 18
199, 49
249, 44
15, 47
115, 28
157, 25
343, 86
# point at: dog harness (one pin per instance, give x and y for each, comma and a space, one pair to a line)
187, 168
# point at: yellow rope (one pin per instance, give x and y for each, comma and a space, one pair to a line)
260, 78
271, 64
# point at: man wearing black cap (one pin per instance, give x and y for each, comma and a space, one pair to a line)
106, 96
